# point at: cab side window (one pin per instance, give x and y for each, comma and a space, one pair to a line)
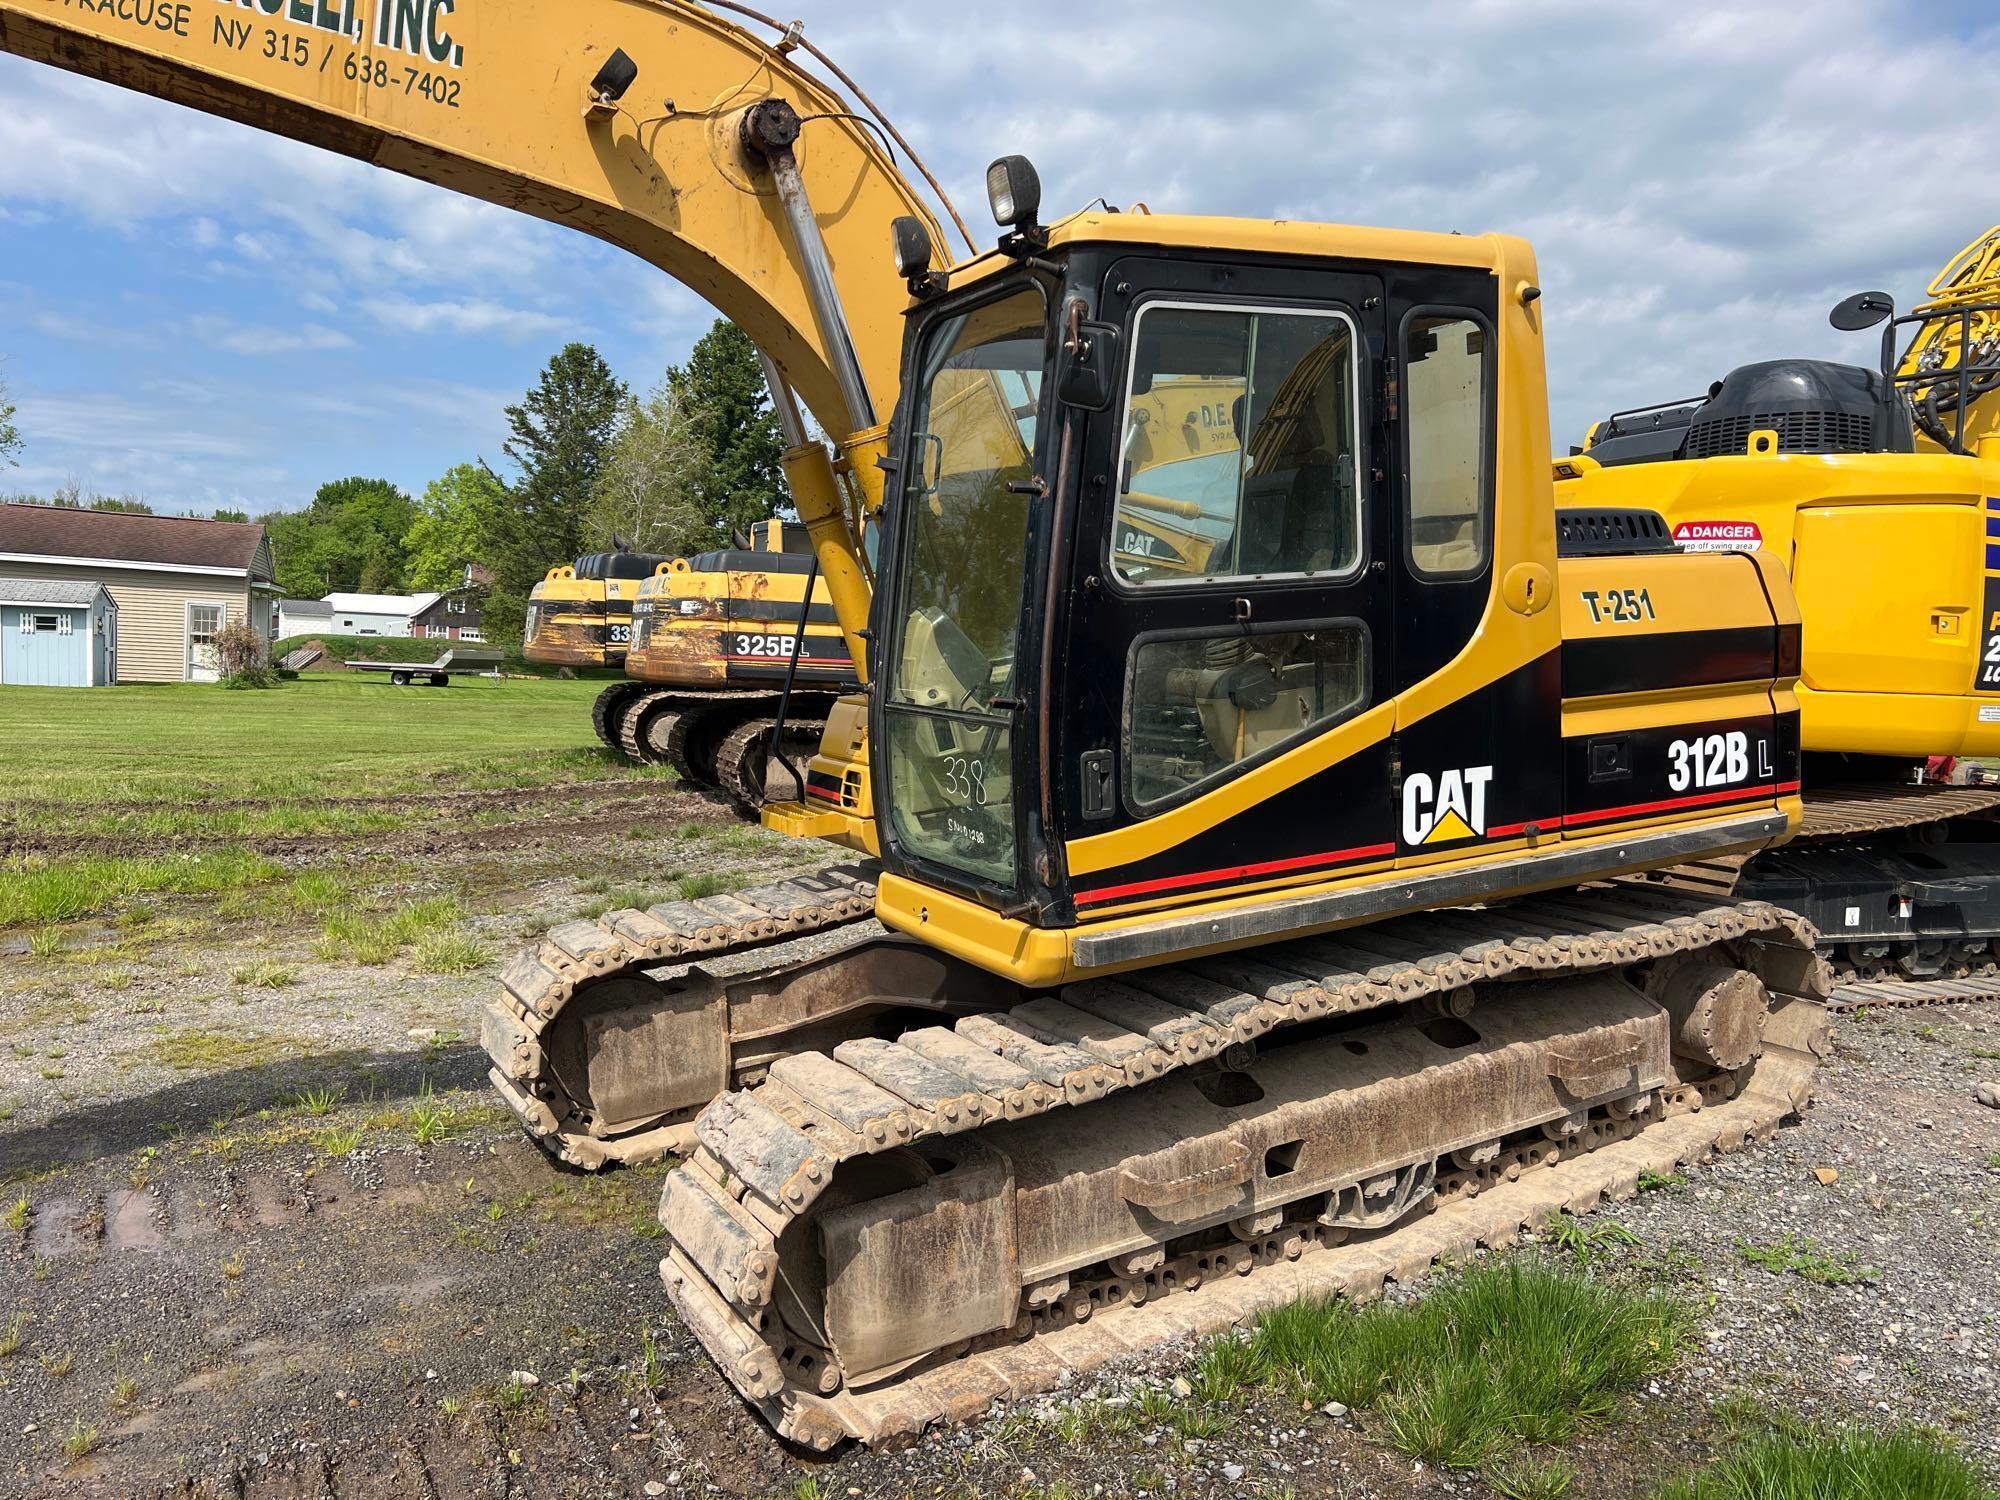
1238, 448
1445, 399
1204, 704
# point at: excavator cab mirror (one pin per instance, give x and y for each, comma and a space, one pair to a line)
912, 252
1087, 365
1862, 310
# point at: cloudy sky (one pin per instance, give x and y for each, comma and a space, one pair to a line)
1701, 180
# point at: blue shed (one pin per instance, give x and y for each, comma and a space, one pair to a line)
57, 634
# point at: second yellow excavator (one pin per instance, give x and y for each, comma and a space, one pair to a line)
1254, 924
736, 660
1878, 491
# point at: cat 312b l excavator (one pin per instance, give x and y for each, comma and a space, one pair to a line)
1237, 940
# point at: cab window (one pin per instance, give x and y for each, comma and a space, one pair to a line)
1445, 383
1238, 447
1204, 704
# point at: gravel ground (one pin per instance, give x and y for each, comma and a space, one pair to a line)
245, 1311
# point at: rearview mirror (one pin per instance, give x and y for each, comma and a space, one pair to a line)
1862, 310
1087, 367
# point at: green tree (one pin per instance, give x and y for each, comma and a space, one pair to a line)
231, 515
740, 480
561, 435
350, 524
647, 495
455, 520
127, 505
10, 434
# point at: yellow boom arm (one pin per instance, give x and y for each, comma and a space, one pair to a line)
490, 97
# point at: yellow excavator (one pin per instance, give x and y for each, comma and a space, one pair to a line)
736, 659
580, 616
1878, 490
1251, 928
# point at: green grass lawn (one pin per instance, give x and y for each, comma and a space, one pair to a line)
141, 771
179, 747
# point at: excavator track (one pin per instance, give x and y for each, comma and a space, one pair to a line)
743, 764
1853, 995
1851, 811
1845, 811
553, 1001
607, 713
643, 723
893, 1234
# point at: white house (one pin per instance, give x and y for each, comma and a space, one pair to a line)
375, 614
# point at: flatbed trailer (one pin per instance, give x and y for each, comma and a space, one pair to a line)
437, 673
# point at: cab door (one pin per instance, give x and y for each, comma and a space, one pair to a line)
1231, 603
1479, 711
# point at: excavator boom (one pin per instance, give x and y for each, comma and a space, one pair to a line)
486, 98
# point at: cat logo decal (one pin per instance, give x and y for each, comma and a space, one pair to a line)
1447, 807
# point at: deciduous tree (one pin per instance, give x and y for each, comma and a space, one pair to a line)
10, 434
454, 522
647, 494
327, 547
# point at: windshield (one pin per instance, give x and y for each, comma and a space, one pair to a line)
963, 562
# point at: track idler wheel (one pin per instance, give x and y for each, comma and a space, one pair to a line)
635, 728
1717, 1013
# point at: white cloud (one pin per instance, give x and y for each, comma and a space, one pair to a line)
258, 340
1699, 188
470, 317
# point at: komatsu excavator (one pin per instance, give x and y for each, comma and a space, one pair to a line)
1878, 490
1246, 928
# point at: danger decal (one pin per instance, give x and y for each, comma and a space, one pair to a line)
1719, 536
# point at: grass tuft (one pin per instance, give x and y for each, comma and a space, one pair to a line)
341, 1141
266, 975
1803, 1258
1504, 1355
1586, 1241
10, 1341
451, 952
18, 1213
80, 1441
319, 1102
1528, 1480
708, 883
45, 942
41, 892
1902, 1465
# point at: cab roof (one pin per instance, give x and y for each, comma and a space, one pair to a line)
1498, 253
